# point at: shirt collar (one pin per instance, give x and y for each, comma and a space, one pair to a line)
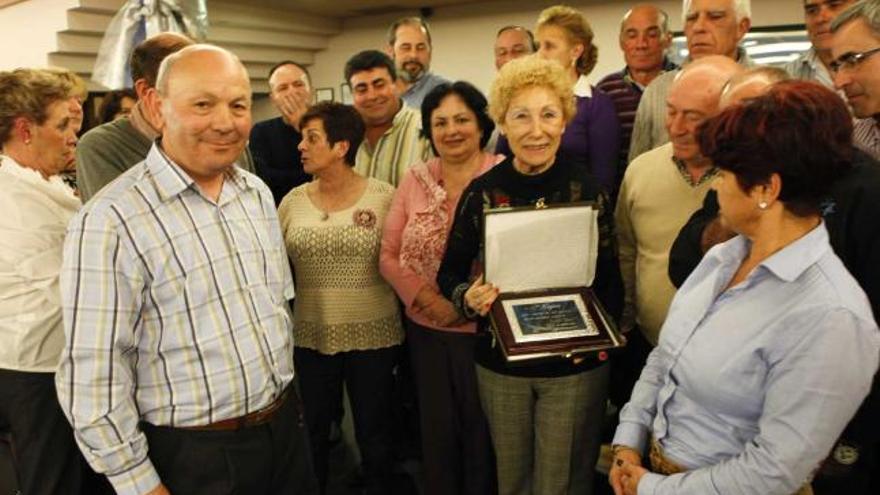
171, 180
811, 58
668, 65
582, 87
742, 58
789, 262
682, 169
54, 186
418, 84
817, 69
400, 117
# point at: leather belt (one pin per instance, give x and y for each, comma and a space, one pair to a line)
255, 418
663, 465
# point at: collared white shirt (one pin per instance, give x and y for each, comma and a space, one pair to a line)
35, 213
582, 87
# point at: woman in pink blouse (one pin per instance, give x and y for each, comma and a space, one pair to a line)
456, 448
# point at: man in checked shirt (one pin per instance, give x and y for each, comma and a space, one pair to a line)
177, 368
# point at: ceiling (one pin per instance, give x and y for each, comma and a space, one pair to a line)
357, 8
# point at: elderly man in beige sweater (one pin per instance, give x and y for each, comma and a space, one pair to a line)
660, 190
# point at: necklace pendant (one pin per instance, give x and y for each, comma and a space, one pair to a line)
324, 216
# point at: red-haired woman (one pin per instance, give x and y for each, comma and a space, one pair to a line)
770, 345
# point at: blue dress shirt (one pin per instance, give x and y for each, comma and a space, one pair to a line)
750, 387
415, 94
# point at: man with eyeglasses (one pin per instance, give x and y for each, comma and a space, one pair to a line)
855, 67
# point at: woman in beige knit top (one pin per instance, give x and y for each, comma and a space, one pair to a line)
346, 323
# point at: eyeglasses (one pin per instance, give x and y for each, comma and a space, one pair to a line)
851, 60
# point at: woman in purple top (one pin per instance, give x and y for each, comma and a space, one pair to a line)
592, 139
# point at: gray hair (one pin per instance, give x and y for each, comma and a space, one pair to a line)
662, 18
868, 10
742, 9
408, 21
169, 61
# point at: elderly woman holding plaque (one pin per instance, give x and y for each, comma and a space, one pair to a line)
544, 415
770, 345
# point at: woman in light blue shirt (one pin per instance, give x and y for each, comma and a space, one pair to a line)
770, 345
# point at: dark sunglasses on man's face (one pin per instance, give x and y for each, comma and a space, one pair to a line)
851, 60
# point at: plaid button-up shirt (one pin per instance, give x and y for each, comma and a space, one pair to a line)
175, 312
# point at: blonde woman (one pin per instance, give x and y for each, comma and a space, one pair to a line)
544, 418
592, 139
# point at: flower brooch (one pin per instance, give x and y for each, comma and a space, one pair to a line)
364, 218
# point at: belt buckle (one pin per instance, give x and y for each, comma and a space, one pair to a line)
258, 417
265, 414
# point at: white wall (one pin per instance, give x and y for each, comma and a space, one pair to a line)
464, 35
28, 30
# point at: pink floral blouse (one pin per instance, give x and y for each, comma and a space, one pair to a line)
415, 233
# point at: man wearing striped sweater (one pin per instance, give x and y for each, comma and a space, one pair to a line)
644, 41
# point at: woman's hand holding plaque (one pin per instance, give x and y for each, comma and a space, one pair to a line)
480, 296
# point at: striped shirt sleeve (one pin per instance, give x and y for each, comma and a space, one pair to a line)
101, 287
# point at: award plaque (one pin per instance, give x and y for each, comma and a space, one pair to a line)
543, 261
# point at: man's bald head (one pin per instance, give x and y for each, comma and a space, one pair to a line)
205, 120
645, 37
195, 57
708, 74
692, 99
750, 83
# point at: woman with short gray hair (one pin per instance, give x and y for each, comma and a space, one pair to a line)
38, 137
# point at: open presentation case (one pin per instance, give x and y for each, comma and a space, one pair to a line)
543, 259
